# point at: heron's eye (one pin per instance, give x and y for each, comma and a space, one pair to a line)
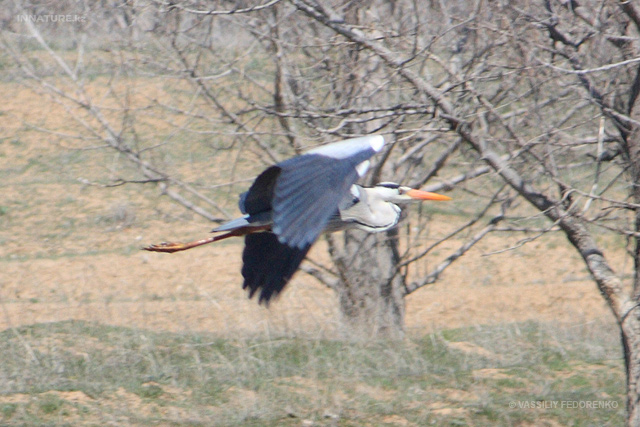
400, 191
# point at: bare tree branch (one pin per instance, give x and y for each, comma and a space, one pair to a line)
435, 274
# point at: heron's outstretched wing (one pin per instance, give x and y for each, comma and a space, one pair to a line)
310, 187
301, 194
268, 264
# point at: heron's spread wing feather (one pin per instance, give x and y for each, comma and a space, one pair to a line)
268, 264
308, 191
260, 195
350, 147
242, 199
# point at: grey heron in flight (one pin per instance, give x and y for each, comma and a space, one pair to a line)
291, 203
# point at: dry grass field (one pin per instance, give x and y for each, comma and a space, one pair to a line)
95, 331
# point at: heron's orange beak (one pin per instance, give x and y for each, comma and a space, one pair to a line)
426, 195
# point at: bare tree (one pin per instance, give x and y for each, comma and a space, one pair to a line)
546, 94
325, 88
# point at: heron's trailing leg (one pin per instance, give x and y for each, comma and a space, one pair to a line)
171, 247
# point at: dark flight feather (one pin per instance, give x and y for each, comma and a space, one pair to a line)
268, 264
258, 198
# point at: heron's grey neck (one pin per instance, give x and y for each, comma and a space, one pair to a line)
370, 213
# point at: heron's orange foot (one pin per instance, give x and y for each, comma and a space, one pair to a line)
168, 247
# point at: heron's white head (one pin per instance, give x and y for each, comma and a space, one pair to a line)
396, 193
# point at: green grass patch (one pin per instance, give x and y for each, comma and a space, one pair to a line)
8, 409
50, 404
152, 377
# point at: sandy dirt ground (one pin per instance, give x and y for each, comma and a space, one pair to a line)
71, 251
201, 291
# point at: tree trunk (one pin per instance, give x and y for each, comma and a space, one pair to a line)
371, 291
630, 323
631, 344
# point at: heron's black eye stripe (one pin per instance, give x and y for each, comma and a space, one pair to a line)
389, 185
